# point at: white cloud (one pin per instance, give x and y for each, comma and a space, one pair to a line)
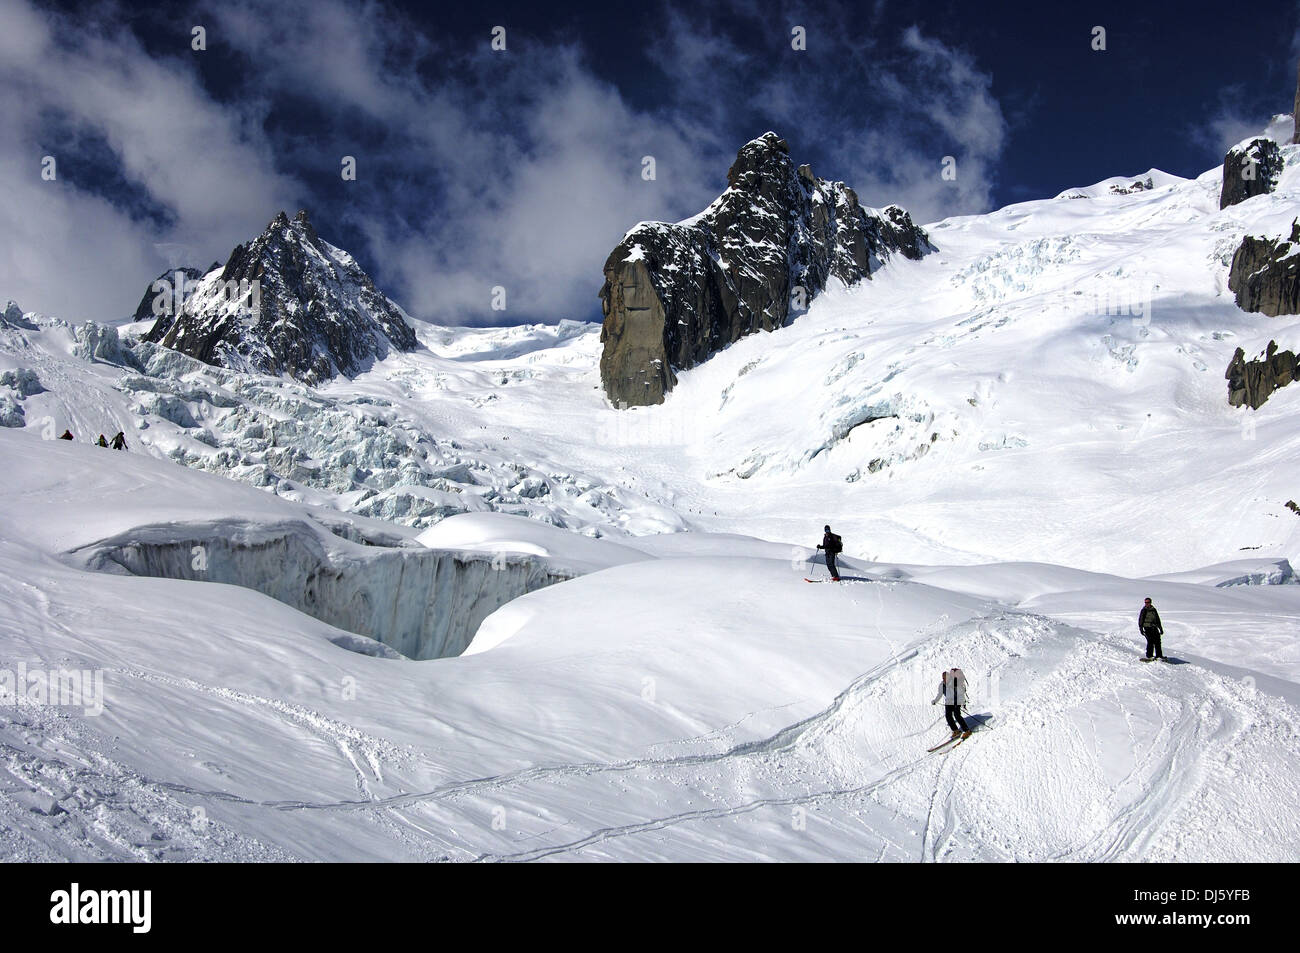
71, 251
535, 161
475, 169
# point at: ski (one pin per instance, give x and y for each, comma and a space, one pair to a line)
806, 579
942, 744
959, 741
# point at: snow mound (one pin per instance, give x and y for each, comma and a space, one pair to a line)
502, 533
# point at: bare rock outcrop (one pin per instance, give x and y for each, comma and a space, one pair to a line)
1251, 382
1250, 168
674, 294
1265, 274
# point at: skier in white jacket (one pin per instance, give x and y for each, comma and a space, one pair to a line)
952, 689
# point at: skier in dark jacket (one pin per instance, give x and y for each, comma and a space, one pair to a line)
832, 545
1149, 625
119, 442
952, 689
66, 435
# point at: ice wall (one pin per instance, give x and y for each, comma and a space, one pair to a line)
423, 603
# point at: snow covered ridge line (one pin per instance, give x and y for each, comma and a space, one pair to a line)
420, 603
53, 688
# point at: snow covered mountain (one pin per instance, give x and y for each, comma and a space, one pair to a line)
287, 303
675, 294
1019, 435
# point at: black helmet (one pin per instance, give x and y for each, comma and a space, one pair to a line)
828, 528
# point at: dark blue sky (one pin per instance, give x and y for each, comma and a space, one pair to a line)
522, 169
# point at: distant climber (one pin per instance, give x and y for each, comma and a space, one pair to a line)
66, 435
102, 441
119, 442
952, 689
1149, 625
833, 546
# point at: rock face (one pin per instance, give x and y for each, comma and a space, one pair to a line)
165, 300
1250, 168
1265, 274
675, 294
1251, 382
1296, 111
287, 303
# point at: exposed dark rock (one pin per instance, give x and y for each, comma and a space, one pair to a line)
676, 294
1250, 169
165, 300
1139, 185
1296, 111
1251, 382
1265, 274
290, 303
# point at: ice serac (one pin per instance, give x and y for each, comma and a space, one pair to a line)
287, 303
1251, 382
1265, 274
674, 294
1250, 168
13, 317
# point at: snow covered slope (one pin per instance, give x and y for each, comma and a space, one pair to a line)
702, 704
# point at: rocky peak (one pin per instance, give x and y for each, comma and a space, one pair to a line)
675, 294
1250, 168
165, 298
287, 302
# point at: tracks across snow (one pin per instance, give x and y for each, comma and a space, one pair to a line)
1094, 757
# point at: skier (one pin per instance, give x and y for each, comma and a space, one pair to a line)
66, 435
1149, 625
102, 442
952, 689
119, 442
833, 546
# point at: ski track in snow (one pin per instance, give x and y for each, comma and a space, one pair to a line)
1206, 719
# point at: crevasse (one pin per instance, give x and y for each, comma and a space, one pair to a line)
422, 603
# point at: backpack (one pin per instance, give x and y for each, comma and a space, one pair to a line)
835, 544
959, 686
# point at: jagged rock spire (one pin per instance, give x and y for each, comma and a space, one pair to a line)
291, 303
1296, 136
675, 294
